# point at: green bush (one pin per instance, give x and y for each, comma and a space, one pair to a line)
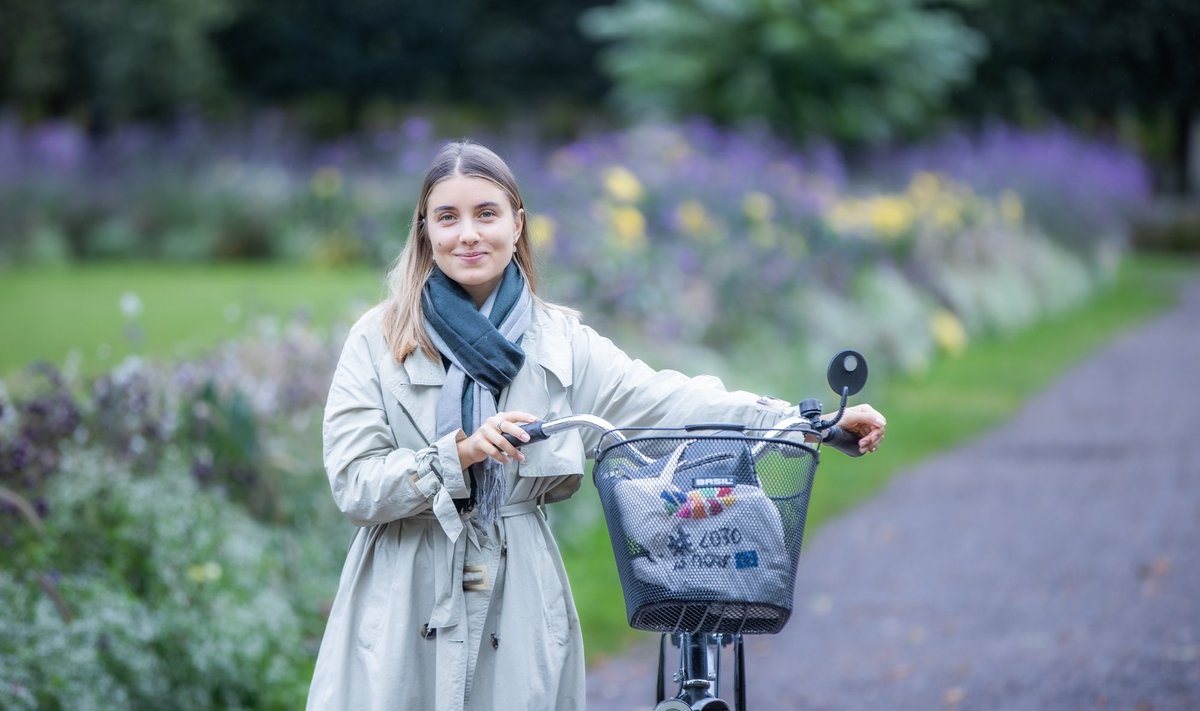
145, 590
1171, 228
854, 70
166, 534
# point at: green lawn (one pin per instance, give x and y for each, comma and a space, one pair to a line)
50, 313
958, 398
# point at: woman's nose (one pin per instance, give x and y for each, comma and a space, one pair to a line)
468, 234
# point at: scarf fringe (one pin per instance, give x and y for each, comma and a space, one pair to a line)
493, 492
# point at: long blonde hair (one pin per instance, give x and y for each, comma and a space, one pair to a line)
403, 321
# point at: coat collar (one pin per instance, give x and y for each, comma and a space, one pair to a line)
423, 371
547, 346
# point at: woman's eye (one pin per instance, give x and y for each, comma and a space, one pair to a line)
487, 213
445, 217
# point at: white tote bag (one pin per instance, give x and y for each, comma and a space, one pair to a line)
702, 528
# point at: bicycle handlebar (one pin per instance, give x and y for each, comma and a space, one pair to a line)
840, 439
847, 373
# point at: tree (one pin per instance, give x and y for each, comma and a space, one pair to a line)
490, 52
108, 59
861, 70
1099, 57
115, 59
283, 49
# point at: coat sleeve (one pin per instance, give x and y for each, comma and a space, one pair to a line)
629, 393
375, 480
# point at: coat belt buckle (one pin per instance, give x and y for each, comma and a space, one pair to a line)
475, 578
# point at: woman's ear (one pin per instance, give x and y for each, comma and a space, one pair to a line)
519, 222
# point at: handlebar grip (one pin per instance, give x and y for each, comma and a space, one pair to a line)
533, 429
842, 440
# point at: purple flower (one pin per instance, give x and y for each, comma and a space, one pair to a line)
1080, 190
58, 146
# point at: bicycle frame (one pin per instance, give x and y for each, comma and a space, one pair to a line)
699, 673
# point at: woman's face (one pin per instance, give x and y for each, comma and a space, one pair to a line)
473, 230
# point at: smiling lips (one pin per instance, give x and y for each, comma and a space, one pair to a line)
471, 256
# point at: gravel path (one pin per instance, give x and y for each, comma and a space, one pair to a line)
1053, 563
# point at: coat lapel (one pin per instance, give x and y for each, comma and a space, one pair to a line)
549, 349
416, 385
543, 354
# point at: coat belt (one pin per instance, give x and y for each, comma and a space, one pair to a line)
450, 556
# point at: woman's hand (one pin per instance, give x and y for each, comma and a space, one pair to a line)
488, 440
866, 422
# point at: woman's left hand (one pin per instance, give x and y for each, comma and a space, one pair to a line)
866, 422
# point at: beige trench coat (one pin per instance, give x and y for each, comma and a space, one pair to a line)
434, 613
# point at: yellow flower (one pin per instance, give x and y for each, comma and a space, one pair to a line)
630, 226
541, 230
890, 216
205, 573
947, 215
692, 217
326, 182
336, 248
948, 332
759, 207
843, 216
924, 186
1011, 207
622, 185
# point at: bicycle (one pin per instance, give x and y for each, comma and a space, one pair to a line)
706, 523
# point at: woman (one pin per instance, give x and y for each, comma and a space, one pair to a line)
454, 595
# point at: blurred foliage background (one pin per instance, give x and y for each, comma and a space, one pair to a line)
860, 71
196, 198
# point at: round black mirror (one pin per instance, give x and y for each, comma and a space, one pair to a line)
848, 371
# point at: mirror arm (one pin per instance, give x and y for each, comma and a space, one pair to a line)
826, 424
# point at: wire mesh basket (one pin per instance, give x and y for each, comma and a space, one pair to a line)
706, 530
